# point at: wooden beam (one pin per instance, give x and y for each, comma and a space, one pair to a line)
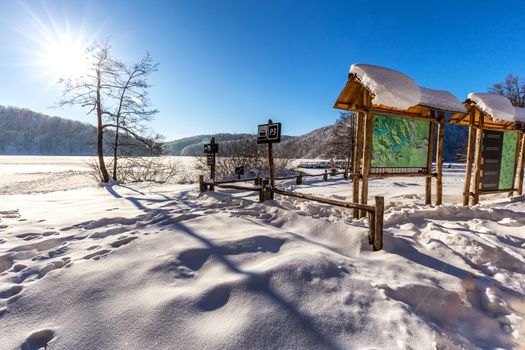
470, 152
477, 160
367, 154
439, 158
356, 166
430, 156
521, 165
376, 175
404, 114
518, 147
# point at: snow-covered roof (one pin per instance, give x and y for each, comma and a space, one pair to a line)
496, 106
440, 99
520, 114
391, 88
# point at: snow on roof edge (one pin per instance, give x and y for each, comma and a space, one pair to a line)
390, 87
496, 106
441, 99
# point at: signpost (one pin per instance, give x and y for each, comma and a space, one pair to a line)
210, 149
239, 171
269, 133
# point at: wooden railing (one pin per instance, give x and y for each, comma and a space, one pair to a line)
261, 186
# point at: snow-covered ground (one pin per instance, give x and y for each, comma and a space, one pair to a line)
149, 266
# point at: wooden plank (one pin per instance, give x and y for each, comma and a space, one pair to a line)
521, 165
439, 158
336, 202
367, 155
470, 152
376, 175
430, 155
477, 161
239, 187
400, 113
378, 223
516, 165
358, 149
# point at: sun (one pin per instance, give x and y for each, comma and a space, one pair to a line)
65, 57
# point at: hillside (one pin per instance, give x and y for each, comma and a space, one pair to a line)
188, 145
25, 132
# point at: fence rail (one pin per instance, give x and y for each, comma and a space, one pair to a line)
265, 191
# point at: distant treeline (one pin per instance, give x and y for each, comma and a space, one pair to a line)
25, 132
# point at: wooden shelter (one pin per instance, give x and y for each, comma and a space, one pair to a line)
373, 92
492, 121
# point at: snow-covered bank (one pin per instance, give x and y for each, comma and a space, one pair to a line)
162, 267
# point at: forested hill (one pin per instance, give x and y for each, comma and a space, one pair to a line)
25, 132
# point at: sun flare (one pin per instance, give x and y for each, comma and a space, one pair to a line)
65, 57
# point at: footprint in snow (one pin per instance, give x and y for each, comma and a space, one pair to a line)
38, 340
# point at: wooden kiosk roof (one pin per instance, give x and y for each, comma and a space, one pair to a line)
405, 96
496, 110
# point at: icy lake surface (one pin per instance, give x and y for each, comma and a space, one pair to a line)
160, 266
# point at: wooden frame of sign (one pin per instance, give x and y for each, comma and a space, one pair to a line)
478, 122
356, 97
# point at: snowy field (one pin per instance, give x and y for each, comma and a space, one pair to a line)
149, 266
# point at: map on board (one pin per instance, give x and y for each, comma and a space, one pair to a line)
400, 143
508, 160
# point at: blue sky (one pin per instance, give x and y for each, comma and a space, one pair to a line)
226, 66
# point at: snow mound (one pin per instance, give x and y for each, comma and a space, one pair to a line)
520, 114
440, 99
496, 106
390, 88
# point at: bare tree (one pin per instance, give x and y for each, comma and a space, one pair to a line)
89, 91
513, 88
342, 141
130, 90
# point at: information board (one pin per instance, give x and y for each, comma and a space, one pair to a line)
399, 145
498, 159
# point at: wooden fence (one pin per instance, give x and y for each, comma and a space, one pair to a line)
261, 186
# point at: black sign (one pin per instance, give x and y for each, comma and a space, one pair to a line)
211, 148
210, 158
239, 170
269, 133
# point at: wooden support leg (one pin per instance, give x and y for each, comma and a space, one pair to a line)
470, 154
367, 158
477, 161
439, 158
356, 166
430, 156
521, 165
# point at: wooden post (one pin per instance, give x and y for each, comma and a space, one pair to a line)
521, 165
516, 165
478, 160
367, 154
430, 156
356, 166
325, 175
212, 168
470, 152
202, 185
378, 223
267, 194
299, 179
257, 180
270, 160
371, 227
439, 158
